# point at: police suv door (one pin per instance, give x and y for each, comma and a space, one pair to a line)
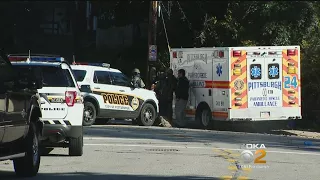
101, 88
131, 103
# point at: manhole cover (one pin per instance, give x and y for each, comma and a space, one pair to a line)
167, 150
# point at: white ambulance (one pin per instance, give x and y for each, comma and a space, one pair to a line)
241, 83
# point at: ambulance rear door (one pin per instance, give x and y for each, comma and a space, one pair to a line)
264, 82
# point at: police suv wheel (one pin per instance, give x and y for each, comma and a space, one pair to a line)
89, 114
28, 165
147, 115
76, 146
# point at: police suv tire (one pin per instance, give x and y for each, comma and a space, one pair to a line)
28, 166
147, 121
76, 146
94, 114
204, 118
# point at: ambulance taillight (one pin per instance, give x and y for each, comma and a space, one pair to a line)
174, 54
291, 52
237, 71
236, 53
291, 68
221, 54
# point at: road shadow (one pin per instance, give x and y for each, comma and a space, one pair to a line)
87, 175
203, 136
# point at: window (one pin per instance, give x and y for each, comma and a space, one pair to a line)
53, 76
273, 71
119, 79
255, 71
101, 77
79, 74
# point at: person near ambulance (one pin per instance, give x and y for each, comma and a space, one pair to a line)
182, 94
165, 88
136, 79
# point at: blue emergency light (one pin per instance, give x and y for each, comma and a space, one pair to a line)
107, 65
35, 59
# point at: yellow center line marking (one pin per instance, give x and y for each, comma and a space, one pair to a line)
233, 168
226, 177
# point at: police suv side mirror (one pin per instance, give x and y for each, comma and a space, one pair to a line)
85, 88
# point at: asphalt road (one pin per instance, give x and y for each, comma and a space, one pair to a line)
133, 152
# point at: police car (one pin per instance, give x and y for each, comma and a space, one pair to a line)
60, 99
108, 93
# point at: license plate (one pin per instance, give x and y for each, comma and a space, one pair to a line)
264, 114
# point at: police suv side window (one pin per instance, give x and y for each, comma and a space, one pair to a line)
79, 74
273, 71
119, 79
101, 77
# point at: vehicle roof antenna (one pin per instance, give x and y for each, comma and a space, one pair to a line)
74, 59
29, 58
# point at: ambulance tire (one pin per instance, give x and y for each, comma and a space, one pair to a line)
204, 118
147, 115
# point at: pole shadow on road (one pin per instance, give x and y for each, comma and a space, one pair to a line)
86, 175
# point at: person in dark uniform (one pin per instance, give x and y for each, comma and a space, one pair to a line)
164, 89
136, 79
182, 95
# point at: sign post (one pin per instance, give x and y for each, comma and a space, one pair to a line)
153, 53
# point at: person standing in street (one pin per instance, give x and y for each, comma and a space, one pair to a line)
182, 95
136, 79
172, 83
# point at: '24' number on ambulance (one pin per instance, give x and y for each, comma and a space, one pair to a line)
288, 82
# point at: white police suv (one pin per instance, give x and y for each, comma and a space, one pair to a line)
108, 93
61, 102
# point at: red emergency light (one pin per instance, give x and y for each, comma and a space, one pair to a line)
236, 53
221, 54
174, 54
12, 58
291, 52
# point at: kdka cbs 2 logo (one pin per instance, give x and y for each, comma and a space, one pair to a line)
253, 156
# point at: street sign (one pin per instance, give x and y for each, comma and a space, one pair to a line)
152, 52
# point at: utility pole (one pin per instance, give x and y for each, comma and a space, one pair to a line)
152, 38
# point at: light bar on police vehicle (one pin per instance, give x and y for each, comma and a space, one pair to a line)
14, 58
107, 65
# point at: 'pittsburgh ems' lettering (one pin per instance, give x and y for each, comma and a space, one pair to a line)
255, 85
118, 99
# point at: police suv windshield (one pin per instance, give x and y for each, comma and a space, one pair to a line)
53, 76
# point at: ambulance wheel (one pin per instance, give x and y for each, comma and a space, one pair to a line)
205, 118
147, 115
89, 114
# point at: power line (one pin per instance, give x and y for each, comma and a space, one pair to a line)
184, 15
165, 30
